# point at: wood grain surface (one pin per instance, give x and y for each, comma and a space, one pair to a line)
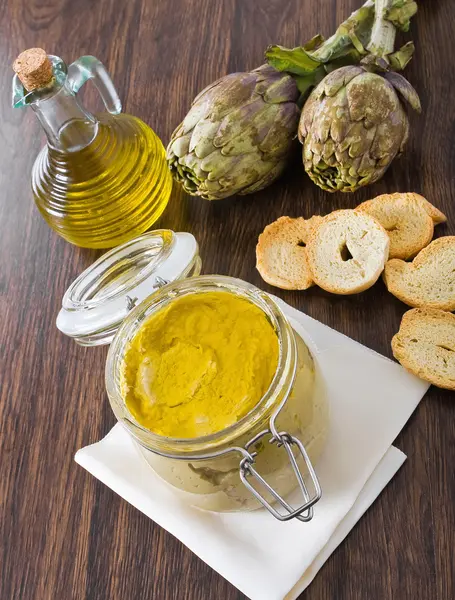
65, 535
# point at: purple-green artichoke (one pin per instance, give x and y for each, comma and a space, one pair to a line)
237, 136
353, 125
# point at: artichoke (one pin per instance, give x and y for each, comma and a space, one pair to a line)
240, 131
237, 136
353, 125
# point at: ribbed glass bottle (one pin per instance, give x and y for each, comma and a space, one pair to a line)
100, 180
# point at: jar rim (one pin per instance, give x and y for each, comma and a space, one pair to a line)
93, 286
278, 389
102, 296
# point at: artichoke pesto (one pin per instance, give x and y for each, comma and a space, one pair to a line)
199, 365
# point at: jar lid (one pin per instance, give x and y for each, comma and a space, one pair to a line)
98, 301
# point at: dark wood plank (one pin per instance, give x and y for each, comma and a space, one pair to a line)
63, 534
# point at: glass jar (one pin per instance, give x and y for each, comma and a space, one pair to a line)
258, 460
215, 483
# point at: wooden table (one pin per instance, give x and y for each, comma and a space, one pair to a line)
65, 535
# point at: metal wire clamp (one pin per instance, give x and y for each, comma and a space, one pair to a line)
247, 473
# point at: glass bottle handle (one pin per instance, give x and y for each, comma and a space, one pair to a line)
89, 67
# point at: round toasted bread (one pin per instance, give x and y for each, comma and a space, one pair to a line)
425, 345
437, 216
429, 280
281, 256
347, 252
407, 218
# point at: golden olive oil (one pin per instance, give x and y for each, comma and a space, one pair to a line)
100, 180
108, 191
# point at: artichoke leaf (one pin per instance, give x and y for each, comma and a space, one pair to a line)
353, 33
238, 120
322, 123
367, 165
264, 72
218, 99
245, 142
338, 79
248, 169
192, 167
218, 83
399, 59
230, 97
401, 13
262, 86
346, 57
181, 145
361, 144
340, 126
328, 151
403, 87
211, 186
282, 90
191, 163
296, 61
305, 83
199, 110
371, 98
387, 140
315, 42
201, 137
216, 165
266, 180
276, 141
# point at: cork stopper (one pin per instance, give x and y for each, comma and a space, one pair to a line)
33, 68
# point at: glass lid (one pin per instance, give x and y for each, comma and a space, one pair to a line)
97, 302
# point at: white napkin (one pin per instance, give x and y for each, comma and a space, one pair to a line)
371, 398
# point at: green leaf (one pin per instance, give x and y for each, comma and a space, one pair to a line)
349, 56
403, 86
305, 83
375, 63
314, 43
400, 13
399, 59
296, 60
354, 32
354, 39
349, 53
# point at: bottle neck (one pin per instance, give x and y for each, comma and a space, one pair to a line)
68, 126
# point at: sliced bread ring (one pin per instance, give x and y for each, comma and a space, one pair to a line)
425, 345
406, 218
281, 255
437, 216
429, 280
347, 251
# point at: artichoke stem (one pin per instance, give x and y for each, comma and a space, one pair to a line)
383, 34
355, 27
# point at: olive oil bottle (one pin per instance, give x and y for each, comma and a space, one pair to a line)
100, 180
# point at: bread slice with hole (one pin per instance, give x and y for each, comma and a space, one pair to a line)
408, 219
281, 255
437, 216
347, 251
429, 280
425, 345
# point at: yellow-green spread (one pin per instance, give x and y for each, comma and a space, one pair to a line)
199, 364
